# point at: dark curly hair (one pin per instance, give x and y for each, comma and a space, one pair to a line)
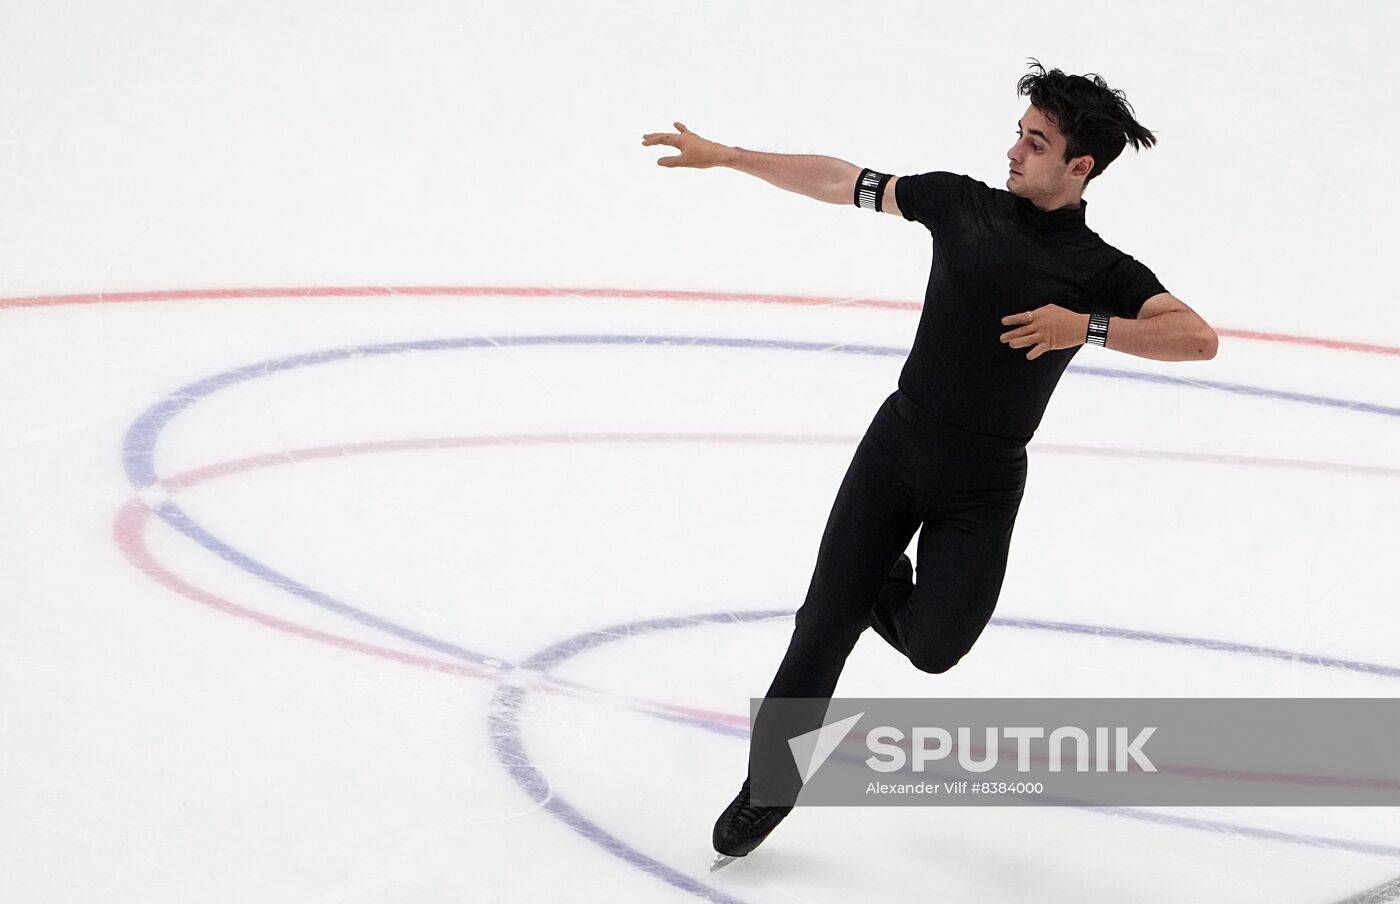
1096, 120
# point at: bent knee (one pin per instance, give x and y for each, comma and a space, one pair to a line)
936, 661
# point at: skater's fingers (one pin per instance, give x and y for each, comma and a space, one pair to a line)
680, 127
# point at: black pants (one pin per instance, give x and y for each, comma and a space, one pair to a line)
910, 469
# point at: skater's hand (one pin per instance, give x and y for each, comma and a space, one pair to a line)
1047, 327
695, 151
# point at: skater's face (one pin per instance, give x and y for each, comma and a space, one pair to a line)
1038, 169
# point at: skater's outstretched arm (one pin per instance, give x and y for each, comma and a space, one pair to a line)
823, 178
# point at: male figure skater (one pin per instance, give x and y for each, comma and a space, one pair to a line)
1018, 284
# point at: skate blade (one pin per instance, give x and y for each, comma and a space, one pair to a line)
721, 861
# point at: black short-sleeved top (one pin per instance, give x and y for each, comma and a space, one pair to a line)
994, 254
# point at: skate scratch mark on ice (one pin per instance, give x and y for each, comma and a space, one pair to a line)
1386, 891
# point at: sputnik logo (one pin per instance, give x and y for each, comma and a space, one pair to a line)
814, 747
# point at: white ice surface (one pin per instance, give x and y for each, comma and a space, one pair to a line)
159, 745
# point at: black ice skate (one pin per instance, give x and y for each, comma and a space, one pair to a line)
743, 826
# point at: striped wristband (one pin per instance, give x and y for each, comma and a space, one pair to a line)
1098, 329
870, 190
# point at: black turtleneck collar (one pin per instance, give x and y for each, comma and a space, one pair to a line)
1050, 220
